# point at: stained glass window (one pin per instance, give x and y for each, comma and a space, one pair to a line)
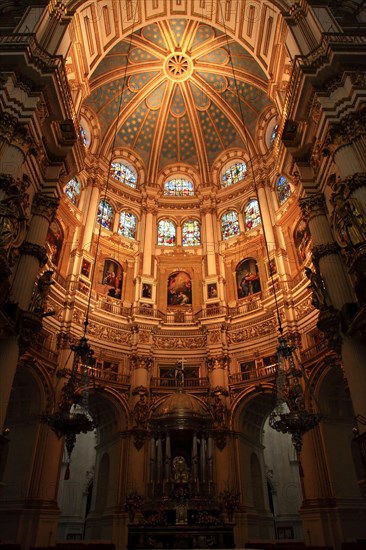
72, 190
235, 173
124, 174
127, 225
252, 215
105, 215
191, 233
283, 190
166, 233
83, 136
179, 188
230, 225
274, 133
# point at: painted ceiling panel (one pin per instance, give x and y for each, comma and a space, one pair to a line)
152, 34
188, 151
180, 100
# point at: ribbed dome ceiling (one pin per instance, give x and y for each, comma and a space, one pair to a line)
180, 98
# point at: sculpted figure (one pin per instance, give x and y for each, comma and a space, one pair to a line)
318, 288
349, 221
40, 295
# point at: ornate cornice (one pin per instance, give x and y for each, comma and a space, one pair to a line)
16, 134
348, 130
44, 205
312, 206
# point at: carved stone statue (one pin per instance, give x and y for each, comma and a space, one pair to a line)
219, 410
40, 295
349, 221
141, 411
320, 300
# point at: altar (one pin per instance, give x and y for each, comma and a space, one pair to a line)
180, 536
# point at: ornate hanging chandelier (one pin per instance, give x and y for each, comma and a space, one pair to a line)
72, 416
289, 414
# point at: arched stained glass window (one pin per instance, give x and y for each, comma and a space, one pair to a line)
274, 133
283, 190
230, 225
166, 233
179, 188
83, 136
127, 225
105, 215
234, 174
124, 174
72, 190
191, 233
252, 216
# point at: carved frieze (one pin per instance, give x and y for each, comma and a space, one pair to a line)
252, 331
164, 342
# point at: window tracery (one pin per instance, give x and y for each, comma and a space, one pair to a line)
179, 187
230, 225
235, 173
191, 233
166, 233
124, 174
127, 225
105, 214
252, 216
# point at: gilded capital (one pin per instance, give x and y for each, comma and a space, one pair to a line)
356, 181
312, 206
322, 250
44, 205
32, 249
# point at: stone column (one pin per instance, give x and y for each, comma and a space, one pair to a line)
326, 251
33, 254
194, 458
152, 459
147, 245
91, 208
167, 458
209, 459
203, 456
159, 460
327, 254
210, 241
140, 366
266, 216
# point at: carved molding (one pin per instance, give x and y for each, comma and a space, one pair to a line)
322, 250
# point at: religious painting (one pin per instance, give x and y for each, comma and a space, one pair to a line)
179, 289
272, 268
301, 240
146, 291
112, 278
212, 290
85, 268
247, 278
55, 239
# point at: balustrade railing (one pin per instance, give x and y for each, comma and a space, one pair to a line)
255, 374
108, 375
173, 382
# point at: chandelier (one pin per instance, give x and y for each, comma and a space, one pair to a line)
289, 414
72, 416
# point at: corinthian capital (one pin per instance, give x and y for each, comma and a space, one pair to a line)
44, 205
312, 206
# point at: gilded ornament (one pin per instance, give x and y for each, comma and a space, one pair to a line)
312, 206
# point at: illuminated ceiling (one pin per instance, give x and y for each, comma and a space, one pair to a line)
180, 95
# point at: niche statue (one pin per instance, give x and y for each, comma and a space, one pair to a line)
320, 299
